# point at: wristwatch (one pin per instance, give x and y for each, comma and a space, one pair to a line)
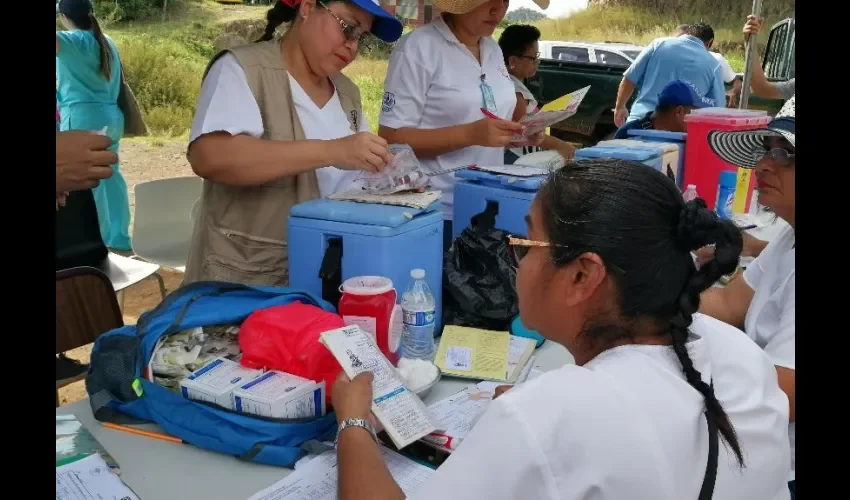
355, 422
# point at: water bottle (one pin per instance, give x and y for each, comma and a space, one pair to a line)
690, 194
726, 194
418, 309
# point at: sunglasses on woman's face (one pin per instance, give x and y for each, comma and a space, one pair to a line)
519, 247
351, 32
780, 156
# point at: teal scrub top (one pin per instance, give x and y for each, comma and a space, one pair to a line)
78, 70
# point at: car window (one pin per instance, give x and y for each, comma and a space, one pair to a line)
574, 54
776, 65
611, 59
632, 53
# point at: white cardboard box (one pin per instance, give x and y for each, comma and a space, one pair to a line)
215, 382
281, 395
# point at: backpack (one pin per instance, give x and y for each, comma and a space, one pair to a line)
119, 392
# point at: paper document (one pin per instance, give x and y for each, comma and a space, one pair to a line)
90, 479
406, 199
520, 350
401, 412
539, 122
473, 353
318, 478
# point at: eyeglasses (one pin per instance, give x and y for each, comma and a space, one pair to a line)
779, 155
518, 248
351, 32
535, 57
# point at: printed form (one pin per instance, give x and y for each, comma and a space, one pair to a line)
90, 479
401, 412
317, 479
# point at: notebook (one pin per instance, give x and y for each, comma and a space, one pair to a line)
74, 442
483, 354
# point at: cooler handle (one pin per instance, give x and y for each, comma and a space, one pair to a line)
330, 271
486, 220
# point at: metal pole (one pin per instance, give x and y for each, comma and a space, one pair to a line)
750, 57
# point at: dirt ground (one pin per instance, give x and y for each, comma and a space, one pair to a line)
141, 160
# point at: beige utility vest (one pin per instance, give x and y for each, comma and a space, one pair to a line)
240, 232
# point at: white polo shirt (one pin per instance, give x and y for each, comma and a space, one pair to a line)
770, 320
434, 81
628, 425
725, 69
226, 104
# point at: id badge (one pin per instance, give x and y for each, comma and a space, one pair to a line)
489, 98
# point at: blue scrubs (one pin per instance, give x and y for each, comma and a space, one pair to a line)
87, 101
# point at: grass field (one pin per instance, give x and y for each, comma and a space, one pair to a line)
164, 60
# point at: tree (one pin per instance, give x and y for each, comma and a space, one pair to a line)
524, 15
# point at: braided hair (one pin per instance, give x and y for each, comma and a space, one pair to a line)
635, 219
277, 15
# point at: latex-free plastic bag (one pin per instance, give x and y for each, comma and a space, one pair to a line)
402, 174
479, 282
286, 338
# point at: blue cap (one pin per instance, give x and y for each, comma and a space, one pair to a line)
683, 93
74, 9
385, 26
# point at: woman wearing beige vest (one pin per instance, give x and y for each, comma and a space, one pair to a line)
277, 124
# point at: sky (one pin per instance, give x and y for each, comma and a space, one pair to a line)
557, 8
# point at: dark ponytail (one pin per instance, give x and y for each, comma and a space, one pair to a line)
698, 227
105, 49
635, 219
277, 15
85, 20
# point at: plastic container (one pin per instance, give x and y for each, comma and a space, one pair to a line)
370, 303
512, 196
331, 241
725, 203
664, 137
702, 166
418, 309
690, 194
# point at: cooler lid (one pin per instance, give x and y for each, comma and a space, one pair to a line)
729, 116
658, 134
502, 181
619, 152
370, 214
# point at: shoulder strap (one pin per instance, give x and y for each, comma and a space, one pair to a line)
707, 489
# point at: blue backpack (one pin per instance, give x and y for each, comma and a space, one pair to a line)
119, 392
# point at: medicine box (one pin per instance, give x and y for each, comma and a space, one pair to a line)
216, 381
281, 395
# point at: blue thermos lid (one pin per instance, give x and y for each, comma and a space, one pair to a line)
518, 329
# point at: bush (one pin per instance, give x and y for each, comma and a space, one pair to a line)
165, 76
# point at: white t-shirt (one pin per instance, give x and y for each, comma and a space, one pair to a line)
725, 69
770, 320
531, 107
628, 426
226, 104
434, 81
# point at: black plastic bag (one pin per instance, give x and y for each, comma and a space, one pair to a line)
479, 282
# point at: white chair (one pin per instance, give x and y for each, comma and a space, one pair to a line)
163, 223
124, 272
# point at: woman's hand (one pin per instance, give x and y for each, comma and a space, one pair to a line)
501, 390
490, 132
567, 150
353, 398
361, 151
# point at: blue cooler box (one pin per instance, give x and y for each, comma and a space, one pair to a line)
364, 240
513, 196
650, 154
662, 136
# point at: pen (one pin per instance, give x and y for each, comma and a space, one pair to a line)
140, 432
488, 114
747, 228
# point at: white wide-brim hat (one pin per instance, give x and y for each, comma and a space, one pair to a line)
464, 6
740, 147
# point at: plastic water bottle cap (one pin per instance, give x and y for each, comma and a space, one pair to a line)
417, 274
692, 186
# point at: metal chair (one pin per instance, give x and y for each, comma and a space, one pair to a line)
86, 307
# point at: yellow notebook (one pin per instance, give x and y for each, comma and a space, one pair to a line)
482, 354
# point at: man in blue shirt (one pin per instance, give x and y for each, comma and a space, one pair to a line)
676, 99
685, 57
